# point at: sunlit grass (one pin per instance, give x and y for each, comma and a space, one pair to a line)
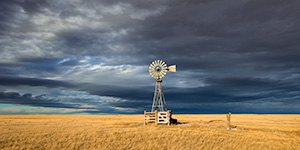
128, 132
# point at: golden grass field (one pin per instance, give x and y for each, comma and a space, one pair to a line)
128, 132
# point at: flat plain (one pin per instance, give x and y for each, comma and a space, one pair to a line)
249, 131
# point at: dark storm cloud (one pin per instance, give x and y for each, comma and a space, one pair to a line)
29, 100
237, 55
218, 91
17, 81
105, 90
101, 90
220, 96
11, 13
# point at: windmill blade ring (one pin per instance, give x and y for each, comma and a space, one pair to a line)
158, 69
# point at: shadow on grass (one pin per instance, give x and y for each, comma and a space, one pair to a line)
183, 123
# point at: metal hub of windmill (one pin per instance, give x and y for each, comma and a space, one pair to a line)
157, 70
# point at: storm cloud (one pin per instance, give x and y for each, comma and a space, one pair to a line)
28, 100
240, 55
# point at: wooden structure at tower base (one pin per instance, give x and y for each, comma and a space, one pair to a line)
159, 117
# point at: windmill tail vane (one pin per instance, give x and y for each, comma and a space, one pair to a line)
172, 68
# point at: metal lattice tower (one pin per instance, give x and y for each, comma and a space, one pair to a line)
158, 70
159, 102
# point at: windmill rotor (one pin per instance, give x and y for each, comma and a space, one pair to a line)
158, 69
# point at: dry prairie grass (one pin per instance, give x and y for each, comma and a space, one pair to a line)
127, 132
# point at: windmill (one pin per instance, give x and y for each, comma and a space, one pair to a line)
157, 70
159, 113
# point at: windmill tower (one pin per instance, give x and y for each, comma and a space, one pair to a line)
157, 70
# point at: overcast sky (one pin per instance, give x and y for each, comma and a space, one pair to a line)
92, 56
